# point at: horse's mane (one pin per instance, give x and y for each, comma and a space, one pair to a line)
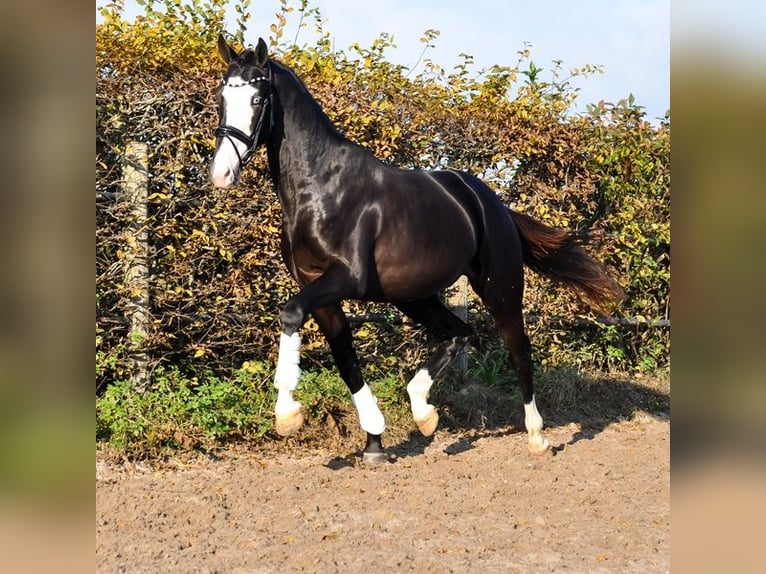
285, 72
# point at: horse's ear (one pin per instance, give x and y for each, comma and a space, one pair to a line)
261, 53
227, 52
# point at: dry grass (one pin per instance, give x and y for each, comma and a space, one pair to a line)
564, 395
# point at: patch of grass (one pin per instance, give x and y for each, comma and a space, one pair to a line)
488, 395
319, 391
592, 397
203, 412
331, 414
491, 368
183, 413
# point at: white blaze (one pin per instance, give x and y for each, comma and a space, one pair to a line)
238, 113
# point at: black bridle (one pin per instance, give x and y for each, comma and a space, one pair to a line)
251, 141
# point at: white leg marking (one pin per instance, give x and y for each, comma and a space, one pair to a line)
418, 389
286, 404
288, 362
534, 423
287, 410
425, 415
370, 418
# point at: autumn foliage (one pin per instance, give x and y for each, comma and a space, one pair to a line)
217, 279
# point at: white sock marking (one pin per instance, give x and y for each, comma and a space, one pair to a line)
287, 374
286, 404
288, 363
370, 418
418, 389
534, 423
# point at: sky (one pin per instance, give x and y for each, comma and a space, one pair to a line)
630, 39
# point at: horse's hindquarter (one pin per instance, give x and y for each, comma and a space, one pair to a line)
428, 233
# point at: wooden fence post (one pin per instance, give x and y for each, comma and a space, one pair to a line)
135, 176
457, 301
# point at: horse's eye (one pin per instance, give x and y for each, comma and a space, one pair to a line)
257, 100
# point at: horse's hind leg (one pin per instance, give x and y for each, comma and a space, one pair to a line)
445, 326
503, 298
519, 351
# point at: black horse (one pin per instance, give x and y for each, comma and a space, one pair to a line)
356, 228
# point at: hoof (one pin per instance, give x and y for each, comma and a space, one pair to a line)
290, 423
539, 448
374, 458
428, 423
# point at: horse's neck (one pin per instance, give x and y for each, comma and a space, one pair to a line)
306, 137
307, 151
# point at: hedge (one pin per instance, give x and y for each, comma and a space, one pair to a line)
217, 283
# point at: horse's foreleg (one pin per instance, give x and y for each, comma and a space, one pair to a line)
334, 325
329, 288
288, 412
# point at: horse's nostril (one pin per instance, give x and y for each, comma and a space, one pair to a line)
222, 177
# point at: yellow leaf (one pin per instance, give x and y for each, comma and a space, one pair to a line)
362, 333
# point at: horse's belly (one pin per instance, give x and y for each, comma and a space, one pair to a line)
411, 272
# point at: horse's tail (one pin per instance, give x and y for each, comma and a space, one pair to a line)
558, 255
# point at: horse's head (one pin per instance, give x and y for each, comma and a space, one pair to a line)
244, 121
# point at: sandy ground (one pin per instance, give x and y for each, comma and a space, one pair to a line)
472, 501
